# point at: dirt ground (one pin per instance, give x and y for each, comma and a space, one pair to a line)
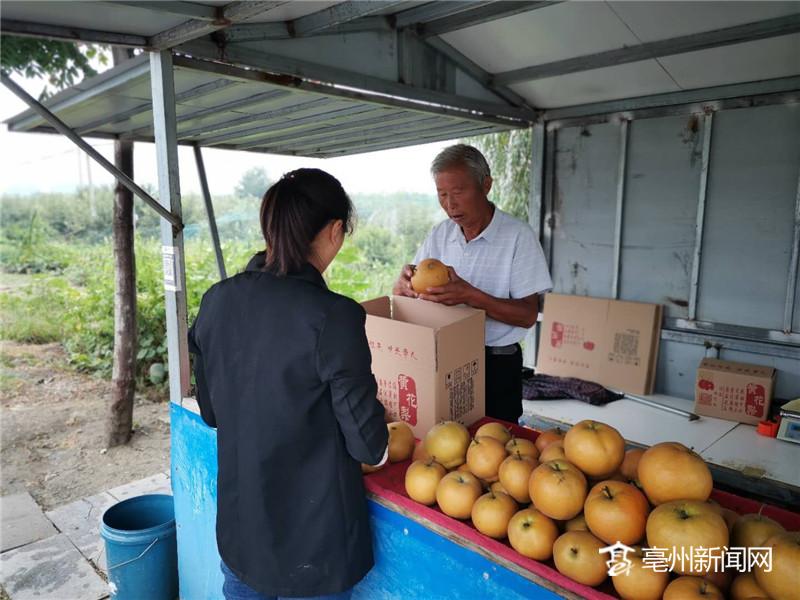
51, 429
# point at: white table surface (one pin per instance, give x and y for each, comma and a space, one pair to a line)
724, 443
744, 450
636, 422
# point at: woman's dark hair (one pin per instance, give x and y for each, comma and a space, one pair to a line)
294, 210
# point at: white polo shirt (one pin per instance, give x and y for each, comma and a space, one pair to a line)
505, 261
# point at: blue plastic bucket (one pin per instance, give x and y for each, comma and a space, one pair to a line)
141, 550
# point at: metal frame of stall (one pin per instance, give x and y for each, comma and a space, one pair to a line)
545, 130
420, 30
705, 102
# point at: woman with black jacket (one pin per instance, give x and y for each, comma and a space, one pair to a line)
282, 368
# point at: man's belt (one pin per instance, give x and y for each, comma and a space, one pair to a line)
502, 350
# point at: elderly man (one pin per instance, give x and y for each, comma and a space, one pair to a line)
496, 264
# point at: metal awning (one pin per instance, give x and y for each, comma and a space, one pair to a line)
513, 53
223, 106
328, 78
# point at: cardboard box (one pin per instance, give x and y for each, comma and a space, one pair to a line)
734, 391
610, 342
428, 360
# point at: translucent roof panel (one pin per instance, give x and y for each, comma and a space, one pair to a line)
227, 107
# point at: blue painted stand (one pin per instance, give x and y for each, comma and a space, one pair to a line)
411, 561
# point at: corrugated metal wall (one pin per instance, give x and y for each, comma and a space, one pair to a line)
742, 267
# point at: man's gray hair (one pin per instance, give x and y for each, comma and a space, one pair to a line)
462, 155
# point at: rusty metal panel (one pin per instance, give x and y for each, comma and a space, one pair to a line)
752, 186
584, 200
754, 158
662, 182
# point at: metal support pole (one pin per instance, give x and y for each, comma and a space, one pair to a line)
551, 139
670, 409
163, 89
535, 196
708, 122
212, 220
65, 130
535, 221
621, 171
791, 285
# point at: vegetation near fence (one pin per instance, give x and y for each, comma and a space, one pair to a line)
56, 255
61, 244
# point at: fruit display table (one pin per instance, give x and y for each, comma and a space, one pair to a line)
419, 551
415, 557
386, 488
739, 458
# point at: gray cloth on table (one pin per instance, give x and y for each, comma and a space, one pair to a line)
549, 387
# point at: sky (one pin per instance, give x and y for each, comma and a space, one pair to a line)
36, 162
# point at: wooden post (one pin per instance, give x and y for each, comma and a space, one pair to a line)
119, 420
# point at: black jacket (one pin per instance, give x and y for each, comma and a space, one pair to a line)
282, 368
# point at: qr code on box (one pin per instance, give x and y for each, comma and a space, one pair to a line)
460, 384
626, 348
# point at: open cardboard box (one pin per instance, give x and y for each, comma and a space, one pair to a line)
428, 360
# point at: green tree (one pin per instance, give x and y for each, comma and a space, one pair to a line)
59, 62
253, 183
413, 226
378, 244
509, 156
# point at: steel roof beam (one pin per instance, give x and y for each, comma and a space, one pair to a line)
65, 130
263, 59
255, 32
70, 34
338, 14
711, 95
193, 10
678, 45
259, 32
349, 93
431, 11
226, 16
374, 23
475, 71
231, 13
490, 11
